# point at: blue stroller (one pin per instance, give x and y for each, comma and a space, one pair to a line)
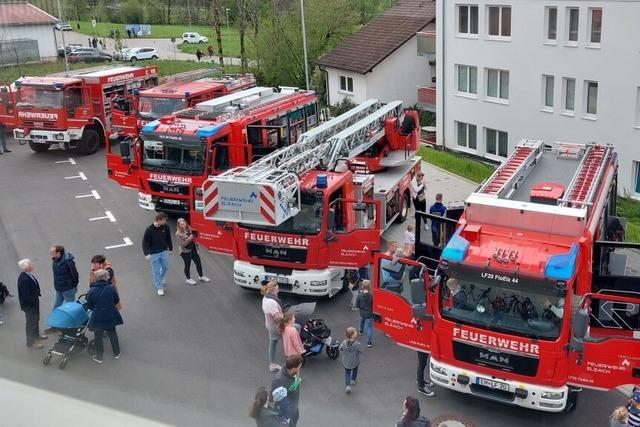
72, 320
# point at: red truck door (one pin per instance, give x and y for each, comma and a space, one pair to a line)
605, 341
402, 303
124, 115
122, 161
354, 232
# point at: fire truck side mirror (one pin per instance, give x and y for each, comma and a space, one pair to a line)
418, 311
331, 221
581, 324
125, 150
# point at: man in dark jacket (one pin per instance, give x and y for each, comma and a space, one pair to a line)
65, 275
364, 302
437, 209
102, 300
156, 245
289, 378
29, 294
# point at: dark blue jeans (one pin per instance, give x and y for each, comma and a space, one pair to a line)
367, 324
350, 375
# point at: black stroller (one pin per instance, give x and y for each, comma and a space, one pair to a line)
315, 334
72, 320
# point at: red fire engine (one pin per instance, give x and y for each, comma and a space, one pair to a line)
533, 297
74, 111
176, 153
308, 214
180, 91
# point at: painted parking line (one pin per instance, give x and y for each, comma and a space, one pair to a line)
69, 160
94, 193
108, 215
127, 242
80, 175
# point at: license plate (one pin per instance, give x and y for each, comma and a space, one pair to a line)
492, 384
278, 279
171, 201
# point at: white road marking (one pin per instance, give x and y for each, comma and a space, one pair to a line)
70, 160
80, 175
108, 215
127, 242
94, 193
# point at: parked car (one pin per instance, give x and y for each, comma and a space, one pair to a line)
62, 26
70, 48
194, 38
93, 55
138, 53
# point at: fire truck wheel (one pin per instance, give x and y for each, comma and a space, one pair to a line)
572, 401
404, 209
38, 148
90, 142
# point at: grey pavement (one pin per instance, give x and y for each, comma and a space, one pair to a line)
195, 356
164, 46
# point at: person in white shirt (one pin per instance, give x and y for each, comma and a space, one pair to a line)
418, 195
409, 241
272, 309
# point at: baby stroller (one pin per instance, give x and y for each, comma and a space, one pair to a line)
72, 320
315, 334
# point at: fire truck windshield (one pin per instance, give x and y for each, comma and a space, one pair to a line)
528, 307
39, 96
307, 221
152, 108
173, 157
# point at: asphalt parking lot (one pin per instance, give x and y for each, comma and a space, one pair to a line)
195, 356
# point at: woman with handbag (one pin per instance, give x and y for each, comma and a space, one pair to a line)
189, 252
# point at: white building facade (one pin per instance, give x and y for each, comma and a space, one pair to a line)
566, 71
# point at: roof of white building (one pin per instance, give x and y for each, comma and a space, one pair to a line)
15, 14
378, 39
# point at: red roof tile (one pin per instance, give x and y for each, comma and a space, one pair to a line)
23, 14
366, 48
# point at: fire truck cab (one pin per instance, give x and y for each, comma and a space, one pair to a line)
74, 112
176, 153
309, 214
534, 296
7, 106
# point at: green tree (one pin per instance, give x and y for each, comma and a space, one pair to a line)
328, 22
131, 12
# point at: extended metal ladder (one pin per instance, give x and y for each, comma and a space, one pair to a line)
514, 170
585, 182
276, 177
256, 94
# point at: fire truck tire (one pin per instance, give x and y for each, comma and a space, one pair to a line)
38, 148
404, 208
89, 143
572, 401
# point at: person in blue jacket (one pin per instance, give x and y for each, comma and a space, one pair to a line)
437, 209
102, 300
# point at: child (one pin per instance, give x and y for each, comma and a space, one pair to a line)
618, 417
281, 405
365, 305
290, 335
354, 281
351, 350
409, 241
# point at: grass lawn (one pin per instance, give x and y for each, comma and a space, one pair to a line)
167, 68
457, 164
630, 209
230, 46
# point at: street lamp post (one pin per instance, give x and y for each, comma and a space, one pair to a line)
304, 45
226, 10
64, 45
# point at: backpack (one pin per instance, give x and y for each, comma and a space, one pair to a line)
73, 271
4, 293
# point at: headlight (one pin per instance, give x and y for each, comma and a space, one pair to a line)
318, 283
239, 273
19, 134
144, 196
438, 369
58, 136
553, 395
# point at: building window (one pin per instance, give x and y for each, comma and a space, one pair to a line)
499, 21
573, 19
551, 20
497, 142
497, 84
637, 168
547, 91
595, 25
346, 84
569, 90
468, 19
467, 79
637, 107
591, 98
466, 135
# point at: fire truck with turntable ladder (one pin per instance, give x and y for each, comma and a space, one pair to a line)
176, 153
535, 295
308, 214
74, 112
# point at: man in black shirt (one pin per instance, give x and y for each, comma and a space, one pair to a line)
156, 246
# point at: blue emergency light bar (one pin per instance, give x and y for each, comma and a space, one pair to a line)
456, 249
562, 266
